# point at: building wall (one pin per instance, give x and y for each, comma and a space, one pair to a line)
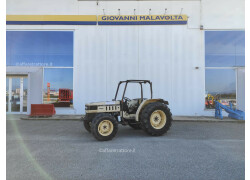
167, 54
223, 14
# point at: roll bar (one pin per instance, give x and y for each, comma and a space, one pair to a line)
134, 81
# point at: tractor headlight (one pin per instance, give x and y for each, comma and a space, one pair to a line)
90, 107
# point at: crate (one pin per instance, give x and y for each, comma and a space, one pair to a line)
42, 110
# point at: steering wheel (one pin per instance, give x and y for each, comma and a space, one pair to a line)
126, 99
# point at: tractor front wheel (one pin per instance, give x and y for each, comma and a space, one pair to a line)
104, 127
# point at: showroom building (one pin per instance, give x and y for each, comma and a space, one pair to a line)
193, 51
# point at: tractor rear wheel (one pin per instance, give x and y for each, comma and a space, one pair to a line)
134, 124
156, 119
104, 127
87, 121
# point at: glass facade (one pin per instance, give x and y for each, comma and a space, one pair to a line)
224, 53
225, 48
39, 48
51, 50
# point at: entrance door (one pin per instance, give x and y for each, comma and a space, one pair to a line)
16, 94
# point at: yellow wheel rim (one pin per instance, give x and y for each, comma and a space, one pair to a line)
158, 119
105, 127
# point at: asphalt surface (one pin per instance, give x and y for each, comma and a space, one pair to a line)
64, 150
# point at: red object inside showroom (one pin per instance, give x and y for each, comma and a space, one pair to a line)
65, 95
42, 110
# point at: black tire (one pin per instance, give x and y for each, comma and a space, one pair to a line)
99, 119
87, 121
134, 124
145, 118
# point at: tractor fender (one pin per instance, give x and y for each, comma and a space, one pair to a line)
144, 103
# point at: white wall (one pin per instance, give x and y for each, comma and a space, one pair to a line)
41, 7
36, 88
166, 55
89, 66
223, 14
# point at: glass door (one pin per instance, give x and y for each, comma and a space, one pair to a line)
16, 94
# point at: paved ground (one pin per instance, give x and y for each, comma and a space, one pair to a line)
63, 150
77, 118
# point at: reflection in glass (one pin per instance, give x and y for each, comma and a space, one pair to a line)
58, 87
39, 48
225, 48
15, 95
7, 94
221, 86
25, 94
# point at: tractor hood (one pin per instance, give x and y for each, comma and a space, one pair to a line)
102, 107
104, 103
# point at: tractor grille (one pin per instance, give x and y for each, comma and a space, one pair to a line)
112, 108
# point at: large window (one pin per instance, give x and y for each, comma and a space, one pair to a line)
58, 86
224, 54
39, 48
51, 50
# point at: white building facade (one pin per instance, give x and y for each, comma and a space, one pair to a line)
179, 59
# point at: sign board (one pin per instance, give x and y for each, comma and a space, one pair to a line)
92, 19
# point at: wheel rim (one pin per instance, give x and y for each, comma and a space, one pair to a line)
158, 119
105, 127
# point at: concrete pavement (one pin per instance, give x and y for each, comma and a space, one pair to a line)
64, 150
77, 118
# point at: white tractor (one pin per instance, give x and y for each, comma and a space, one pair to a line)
151, 115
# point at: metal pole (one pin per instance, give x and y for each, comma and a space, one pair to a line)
151, 90
124, 90
141, 92
122, 99
117, 90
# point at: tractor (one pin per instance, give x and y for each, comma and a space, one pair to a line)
151, 115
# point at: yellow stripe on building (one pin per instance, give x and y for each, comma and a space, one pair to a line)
51, 18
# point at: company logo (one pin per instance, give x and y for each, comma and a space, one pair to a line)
142, 19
